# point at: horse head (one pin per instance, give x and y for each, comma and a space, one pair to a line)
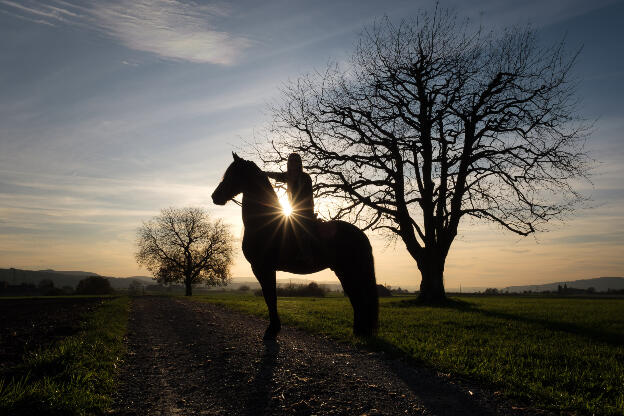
233, 181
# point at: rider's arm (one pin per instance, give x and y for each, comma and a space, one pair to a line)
278, 176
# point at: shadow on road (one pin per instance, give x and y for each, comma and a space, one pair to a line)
261, 385
439, 394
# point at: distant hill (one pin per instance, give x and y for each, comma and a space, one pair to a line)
65, 278
17, 276
601, 284
70, 272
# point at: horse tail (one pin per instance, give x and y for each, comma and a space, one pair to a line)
366, 317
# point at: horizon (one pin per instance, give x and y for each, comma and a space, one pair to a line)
304, 279
112, 112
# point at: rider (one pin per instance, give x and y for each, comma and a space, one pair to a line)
299, 188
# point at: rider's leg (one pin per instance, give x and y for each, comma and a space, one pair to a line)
305, 240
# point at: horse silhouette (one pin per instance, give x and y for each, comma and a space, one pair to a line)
270, 244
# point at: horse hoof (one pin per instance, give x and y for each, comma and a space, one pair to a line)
269, 335
363, 332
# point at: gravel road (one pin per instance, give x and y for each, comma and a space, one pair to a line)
191, 358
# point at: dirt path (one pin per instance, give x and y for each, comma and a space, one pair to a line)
192, 358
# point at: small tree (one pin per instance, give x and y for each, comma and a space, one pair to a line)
46, 287
183, 245
94, 285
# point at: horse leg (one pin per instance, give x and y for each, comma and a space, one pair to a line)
267, 282
360, 286
354, 294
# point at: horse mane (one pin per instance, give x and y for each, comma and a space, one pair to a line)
261, 179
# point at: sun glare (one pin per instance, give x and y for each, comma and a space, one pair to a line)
283, 199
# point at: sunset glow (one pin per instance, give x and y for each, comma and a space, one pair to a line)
112, 112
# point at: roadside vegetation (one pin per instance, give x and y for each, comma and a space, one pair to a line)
559, 354
74, 376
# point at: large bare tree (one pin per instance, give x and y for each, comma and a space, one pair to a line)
431, 122
184, 245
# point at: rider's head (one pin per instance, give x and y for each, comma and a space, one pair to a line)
294, 163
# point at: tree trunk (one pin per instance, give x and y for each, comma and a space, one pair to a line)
189, 287
432, 283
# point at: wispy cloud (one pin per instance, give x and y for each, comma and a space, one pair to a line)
172, 29
29, 19
52, 13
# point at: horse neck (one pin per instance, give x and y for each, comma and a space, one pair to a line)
260, 205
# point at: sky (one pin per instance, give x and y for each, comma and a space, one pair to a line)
113, 110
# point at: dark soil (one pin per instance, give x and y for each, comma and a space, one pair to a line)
29, 324
193, 358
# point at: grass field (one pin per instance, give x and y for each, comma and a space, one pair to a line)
554, 353
75, 375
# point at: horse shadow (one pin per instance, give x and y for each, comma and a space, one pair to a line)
261, 386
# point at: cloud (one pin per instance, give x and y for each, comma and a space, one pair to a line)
610, 238
43, 11
29, 19
172, 29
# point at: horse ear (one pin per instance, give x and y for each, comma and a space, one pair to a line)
236, 157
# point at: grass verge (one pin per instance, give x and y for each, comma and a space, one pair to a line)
76, 376
556, 353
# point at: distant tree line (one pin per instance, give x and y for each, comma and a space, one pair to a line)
92, 285
561, 290
312, 289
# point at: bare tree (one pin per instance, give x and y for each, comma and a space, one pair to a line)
431, 123
183, 245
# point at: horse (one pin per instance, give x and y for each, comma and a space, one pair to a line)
270, 244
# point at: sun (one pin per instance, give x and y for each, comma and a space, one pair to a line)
286, 208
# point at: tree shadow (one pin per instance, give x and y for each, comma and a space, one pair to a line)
593, 334
446, 303
259, 398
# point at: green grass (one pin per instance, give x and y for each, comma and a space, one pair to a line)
554, 353
76, 376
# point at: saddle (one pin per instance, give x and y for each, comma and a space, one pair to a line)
324, 230
308, 251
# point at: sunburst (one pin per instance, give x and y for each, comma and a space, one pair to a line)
286, 208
